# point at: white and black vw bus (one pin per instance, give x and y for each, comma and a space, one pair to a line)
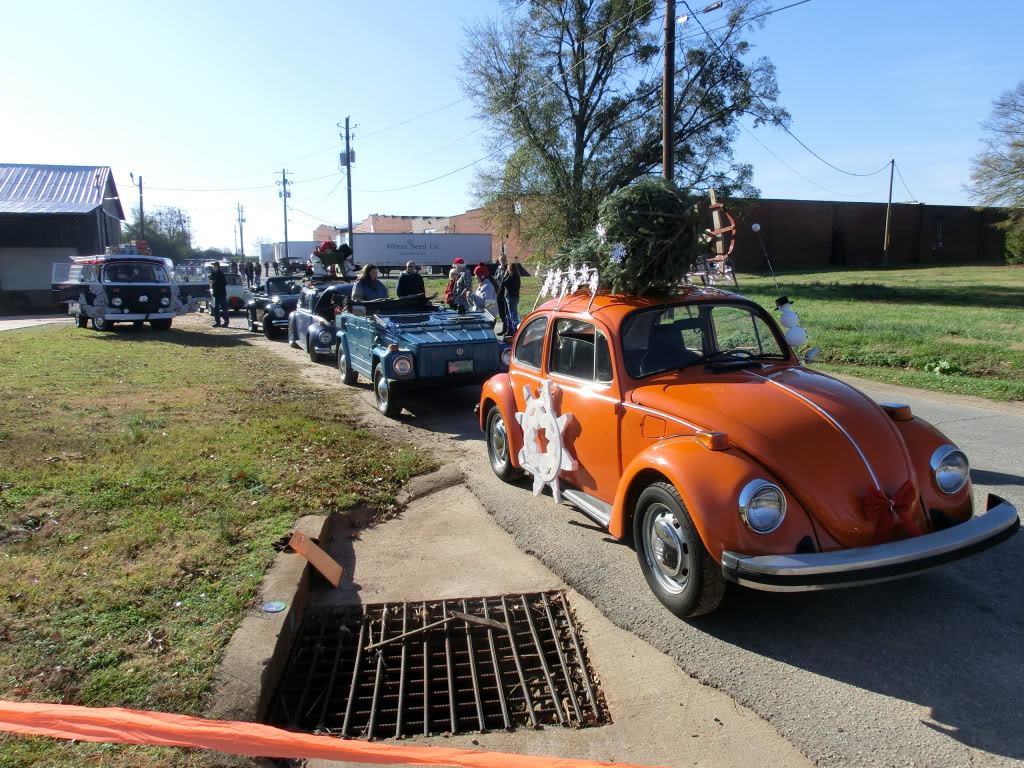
124, 288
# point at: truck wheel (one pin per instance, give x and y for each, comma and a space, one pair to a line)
268, 328
389, 400
498, 447
678, 568
345, 371
81, 321
101, 324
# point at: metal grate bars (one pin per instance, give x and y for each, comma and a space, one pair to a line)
443, 666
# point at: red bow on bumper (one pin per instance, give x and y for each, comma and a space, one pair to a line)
888, 515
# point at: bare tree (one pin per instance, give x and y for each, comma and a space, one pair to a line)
571, 90
997, 174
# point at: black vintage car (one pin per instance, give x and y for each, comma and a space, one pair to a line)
272, 303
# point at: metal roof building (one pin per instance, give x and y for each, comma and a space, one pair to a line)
48, 213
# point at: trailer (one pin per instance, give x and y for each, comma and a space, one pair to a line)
434, 252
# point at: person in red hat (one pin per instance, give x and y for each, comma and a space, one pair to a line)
486, 295
463, 286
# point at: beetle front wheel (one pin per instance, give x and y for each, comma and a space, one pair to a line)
678, 568
498, 450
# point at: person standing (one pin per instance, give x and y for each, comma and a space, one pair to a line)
410, 282
463, 286
257, 272
247, 269
486, 296
508, 287
368, 287
219, 294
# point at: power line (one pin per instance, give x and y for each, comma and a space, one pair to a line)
778, 121
903, 182
241, 189
809, 181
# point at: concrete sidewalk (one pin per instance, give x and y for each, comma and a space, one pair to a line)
12, 322
446, 545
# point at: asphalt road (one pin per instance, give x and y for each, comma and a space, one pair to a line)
926, 671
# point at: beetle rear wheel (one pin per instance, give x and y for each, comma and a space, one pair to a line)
498, 447
678, 568
389, 400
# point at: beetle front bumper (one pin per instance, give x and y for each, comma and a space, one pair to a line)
881, 562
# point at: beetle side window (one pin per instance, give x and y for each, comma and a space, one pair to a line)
530, 343
579, 350
662, 340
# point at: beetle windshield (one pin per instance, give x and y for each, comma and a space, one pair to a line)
665, 339
283, 285
134, 272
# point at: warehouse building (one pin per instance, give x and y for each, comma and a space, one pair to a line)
48, 213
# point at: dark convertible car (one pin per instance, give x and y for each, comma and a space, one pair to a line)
272, 303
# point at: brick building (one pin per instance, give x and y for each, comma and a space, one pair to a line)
328, 232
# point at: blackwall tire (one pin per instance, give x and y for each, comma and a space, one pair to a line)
678, 568
268, 329
498, 450
345, 371
293, 340
386, 395
101, 324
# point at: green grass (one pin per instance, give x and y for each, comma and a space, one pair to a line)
899, 325
143, 478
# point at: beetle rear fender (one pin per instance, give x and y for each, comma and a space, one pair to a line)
497, 391
709, 483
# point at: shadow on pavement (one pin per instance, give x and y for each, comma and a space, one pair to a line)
938, 640
988, 477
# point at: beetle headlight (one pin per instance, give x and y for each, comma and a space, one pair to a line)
402, 365
279, 312
506, 356
951, 469
117, 301
325, 337
762, 506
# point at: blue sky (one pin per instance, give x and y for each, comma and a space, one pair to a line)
222, 95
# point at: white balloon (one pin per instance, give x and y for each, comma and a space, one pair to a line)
789, 319
796, 336
756, 227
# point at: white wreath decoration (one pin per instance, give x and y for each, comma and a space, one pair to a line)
540, 416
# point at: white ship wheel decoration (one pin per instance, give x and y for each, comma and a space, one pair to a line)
544, 462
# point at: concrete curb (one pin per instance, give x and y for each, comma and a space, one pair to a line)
424, 485
259, 648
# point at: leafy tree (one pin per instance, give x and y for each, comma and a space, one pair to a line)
167, 230
571, 91
997, 175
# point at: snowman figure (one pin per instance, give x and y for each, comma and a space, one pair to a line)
795, 335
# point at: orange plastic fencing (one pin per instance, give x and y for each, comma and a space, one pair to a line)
128, 726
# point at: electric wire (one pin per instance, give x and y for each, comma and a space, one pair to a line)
778, 121
903, 182
794, 170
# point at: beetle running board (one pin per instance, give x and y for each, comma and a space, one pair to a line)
592, 507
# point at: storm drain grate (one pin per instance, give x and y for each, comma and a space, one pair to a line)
443, 666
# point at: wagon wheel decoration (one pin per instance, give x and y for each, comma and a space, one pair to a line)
710, 269
539, 421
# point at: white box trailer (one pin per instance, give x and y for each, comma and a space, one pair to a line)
391, 251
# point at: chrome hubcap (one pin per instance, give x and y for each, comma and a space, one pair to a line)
382, 390
499, 442
668, 548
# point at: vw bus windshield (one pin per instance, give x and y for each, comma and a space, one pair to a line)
134, 272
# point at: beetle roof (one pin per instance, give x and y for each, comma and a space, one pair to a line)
614, 307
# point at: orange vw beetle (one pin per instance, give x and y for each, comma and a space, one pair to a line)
690, 424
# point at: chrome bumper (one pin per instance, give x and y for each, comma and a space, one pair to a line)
120, 317
881, 562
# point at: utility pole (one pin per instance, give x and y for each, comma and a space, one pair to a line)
241, 230
348, 181
142, 214
888, 213
284, 194
668, 93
